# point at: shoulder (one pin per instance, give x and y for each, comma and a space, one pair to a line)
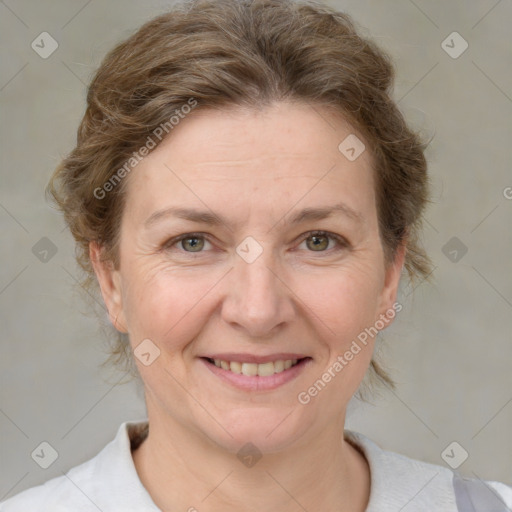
504, 491
106, 482
476, 494
55, 494
400, 482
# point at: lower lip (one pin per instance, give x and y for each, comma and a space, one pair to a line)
257, 383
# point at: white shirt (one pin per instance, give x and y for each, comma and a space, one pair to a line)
109, 483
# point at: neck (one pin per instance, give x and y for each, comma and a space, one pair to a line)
183, 470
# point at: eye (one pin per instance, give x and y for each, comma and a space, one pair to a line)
190, 242
318, 241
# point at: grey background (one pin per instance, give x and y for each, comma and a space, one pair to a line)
450, 349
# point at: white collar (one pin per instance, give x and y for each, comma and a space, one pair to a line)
401, 483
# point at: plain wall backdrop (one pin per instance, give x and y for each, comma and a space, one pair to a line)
450, 348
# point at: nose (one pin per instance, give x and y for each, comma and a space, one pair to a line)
258, 299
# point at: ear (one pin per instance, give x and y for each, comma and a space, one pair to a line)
109, 280
392, 280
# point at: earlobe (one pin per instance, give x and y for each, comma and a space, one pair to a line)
110, 285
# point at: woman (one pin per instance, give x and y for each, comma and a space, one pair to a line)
246, 194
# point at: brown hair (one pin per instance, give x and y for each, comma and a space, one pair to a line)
245, 53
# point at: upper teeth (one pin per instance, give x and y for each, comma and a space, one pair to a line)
252, 369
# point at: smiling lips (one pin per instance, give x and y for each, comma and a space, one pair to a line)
252, 365
256, 373
253, 369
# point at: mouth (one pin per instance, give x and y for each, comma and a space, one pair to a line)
256, 376
253, 369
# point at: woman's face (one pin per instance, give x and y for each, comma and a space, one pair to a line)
249, 283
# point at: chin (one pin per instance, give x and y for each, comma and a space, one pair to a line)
268, 429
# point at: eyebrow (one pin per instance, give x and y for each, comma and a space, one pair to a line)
205, 217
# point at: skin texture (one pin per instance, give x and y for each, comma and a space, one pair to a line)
256, 169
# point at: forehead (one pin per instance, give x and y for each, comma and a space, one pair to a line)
272, 155
286, 130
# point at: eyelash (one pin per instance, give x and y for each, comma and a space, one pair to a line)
341, 241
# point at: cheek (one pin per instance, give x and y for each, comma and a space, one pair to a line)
166, 306
343, 301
